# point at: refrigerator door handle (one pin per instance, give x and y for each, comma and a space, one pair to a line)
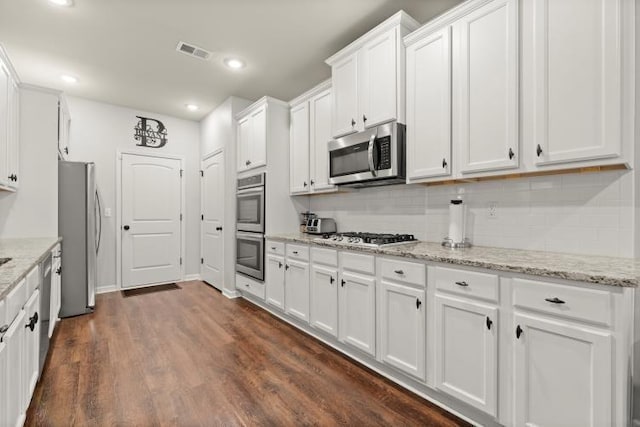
99, 222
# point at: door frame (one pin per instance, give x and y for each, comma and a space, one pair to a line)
118, 203
224, 207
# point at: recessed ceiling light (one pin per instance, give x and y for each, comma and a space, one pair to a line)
69, 79
234, 63
192, 107
62, 2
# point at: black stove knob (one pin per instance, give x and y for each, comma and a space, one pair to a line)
325, 236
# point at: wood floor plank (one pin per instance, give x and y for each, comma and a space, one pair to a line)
188, 356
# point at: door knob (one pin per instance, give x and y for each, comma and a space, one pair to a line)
126, 227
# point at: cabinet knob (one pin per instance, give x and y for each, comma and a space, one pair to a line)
66, 150
126, 227
304, 184
539, 150
286, 267
342, 283
444, 163
511, 154
518, 331
364, 118
331, 279
247, 163
32, 322
418, 303
279, 264
353, 123
312, 182
489, 323
218, 228
59, 271
3, 330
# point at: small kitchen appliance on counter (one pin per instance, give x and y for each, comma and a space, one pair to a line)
457, 226
320, 226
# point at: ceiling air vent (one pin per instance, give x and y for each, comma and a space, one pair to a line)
191, 50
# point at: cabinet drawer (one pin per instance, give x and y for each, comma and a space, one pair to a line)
467, 283
590, 305
275, 247
358, 263
33, 281
324, 256
409, 272
251, 286
15, 301
298, 252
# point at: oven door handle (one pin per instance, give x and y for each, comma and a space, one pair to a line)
250, 191
250, 236
372, 167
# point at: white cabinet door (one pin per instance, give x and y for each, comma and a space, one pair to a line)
244, 135
258, 139
324, 299
14, 340
274, 282
54, 304
31, 353
402, 327
344, 79
4, 397
13, 137
466, 352
357, 312
563, 374
379, 80
320, 113
296, 282
485, 63
429, 106
5, 81
577, 69
299, 149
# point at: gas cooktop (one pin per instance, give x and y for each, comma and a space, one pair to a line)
373, 240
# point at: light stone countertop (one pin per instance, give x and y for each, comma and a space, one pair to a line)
600, 270
25, 254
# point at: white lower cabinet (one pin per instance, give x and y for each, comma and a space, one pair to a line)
296, 283
357, 311
401, 325
3, 381
274, 282
563, 373
466, 351
14, 340
31, 352
324, 298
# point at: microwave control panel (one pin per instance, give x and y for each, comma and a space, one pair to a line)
384, 152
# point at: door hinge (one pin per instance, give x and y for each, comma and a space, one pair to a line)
201, 260
181, 173
201, 173
180, 260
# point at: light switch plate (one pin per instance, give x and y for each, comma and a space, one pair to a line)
107, 212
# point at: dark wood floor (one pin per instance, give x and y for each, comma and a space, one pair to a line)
189, 356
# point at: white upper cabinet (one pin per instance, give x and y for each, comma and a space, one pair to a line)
344, 79
13, 139
577, 71
429, 106
379, 79
299, 149
485, 86
257, 125
9, 125
64, 124
310, 134
368, 77
5, 82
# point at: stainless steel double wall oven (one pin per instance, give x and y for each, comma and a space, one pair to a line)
250, 226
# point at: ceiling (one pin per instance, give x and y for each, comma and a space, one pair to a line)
123, 51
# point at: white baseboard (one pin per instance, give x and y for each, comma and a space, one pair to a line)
231, 294
189, 277
107, 289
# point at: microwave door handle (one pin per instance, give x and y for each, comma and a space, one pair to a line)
372, 167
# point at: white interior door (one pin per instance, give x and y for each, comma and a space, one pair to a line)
150, 211
212, 261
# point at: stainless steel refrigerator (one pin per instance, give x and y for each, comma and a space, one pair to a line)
80, 226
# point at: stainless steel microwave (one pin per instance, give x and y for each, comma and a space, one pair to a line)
373, 157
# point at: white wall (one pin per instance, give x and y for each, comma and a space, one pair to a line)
97, 132
218, 131
33, 210
582, 213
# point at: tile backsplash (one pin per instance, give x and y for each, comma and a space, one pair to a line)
581, 213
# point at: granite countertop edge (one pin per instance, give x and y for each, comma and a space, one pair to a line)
614, 279
27, 262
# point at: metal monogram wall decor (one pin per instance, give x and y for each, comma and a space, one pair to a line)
150, 135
